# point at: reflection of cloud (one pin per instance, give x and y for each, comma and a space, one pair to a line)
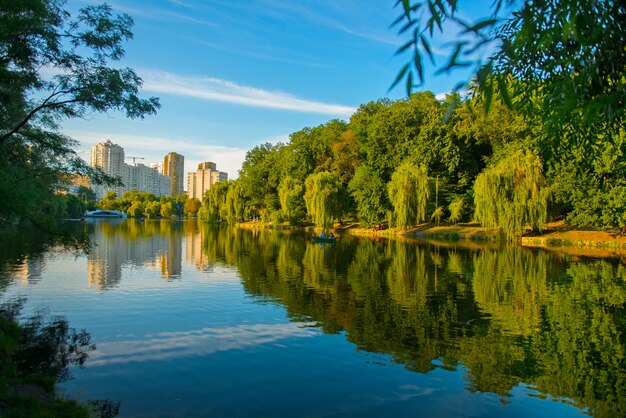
215, 89
414, 391
168, 345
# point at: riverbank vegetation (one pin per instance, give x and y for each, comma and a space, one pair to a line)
35, 354
397, 164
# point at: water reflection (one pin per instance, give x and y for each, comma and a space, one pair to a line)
508, 316
504, 318
133, 243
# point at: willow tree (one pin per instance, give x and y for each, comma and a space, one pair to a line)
235, 203
408, 194
291, 198
323, 198
512, 194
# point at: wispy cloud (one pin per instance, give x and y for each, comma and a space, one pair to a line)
215, 89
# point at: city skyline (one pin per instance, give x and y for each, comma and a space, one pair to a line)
110, 157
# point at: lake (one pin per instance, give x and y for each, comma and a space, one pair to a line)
194, 321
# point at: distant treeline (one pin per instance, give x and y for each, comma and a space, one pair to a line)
400, 163
422, 159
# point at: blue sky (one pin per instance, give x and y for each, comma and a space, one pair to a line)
235, 74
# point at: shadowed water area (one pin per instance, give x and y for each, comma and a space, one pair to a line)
192, 321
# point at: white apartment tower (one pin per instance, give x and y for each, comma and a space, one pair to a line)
109, 158
205, 176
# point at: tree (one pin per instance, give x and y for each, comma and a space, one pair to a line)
291, 196
323, 197
167, 209
558, 62
54, 66
214, 203
110, 202
192, 206
235, 208
408, 193
260, 176
512, 193
368, 191
136, 210
152, 209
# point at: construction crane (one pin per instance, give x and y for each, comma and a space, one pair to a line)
136, 158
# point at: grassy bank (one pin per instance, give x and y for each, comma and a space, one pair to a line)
556, 236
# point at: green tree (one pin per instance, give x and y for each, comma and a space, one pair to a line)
558, 62
167, 209
235, 204
110, 202
37, 35
512, 193
136, 210
260, 176
291, 196
323, 197
214, 203
152, 209
192, 206
409, 193
368, 191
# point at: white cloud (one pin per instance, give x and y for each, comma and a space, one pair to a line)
215, 89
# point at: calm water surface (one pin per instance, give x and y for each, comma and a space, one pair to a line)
192, 321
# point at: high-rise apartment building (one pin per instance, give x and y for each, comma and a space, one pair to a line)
109, 158
174, 168
205, 176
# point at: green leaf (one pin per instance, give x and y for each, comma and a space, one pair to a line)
488, 92
482, 24
417, 61
399, 76
504, 91
404, 47
426, 47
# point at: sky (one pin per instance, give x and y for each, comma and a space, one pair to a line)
232, 75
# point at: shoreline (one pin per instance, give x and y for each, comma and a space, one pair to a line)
557, 236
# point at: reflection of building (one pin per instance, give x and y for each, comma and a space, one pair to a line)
202, 180
174, 168
116, 246
193, 250
29, 271
109, 158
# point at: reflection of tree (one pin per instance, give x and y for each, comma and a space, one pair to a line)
512, 285
582, 345
510, 316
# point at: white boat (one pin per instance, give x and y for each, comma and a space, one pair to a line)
102, 213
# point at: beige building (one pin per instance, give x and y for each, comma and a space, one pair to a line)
148, 179
205, 176
174, 168
109, 158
